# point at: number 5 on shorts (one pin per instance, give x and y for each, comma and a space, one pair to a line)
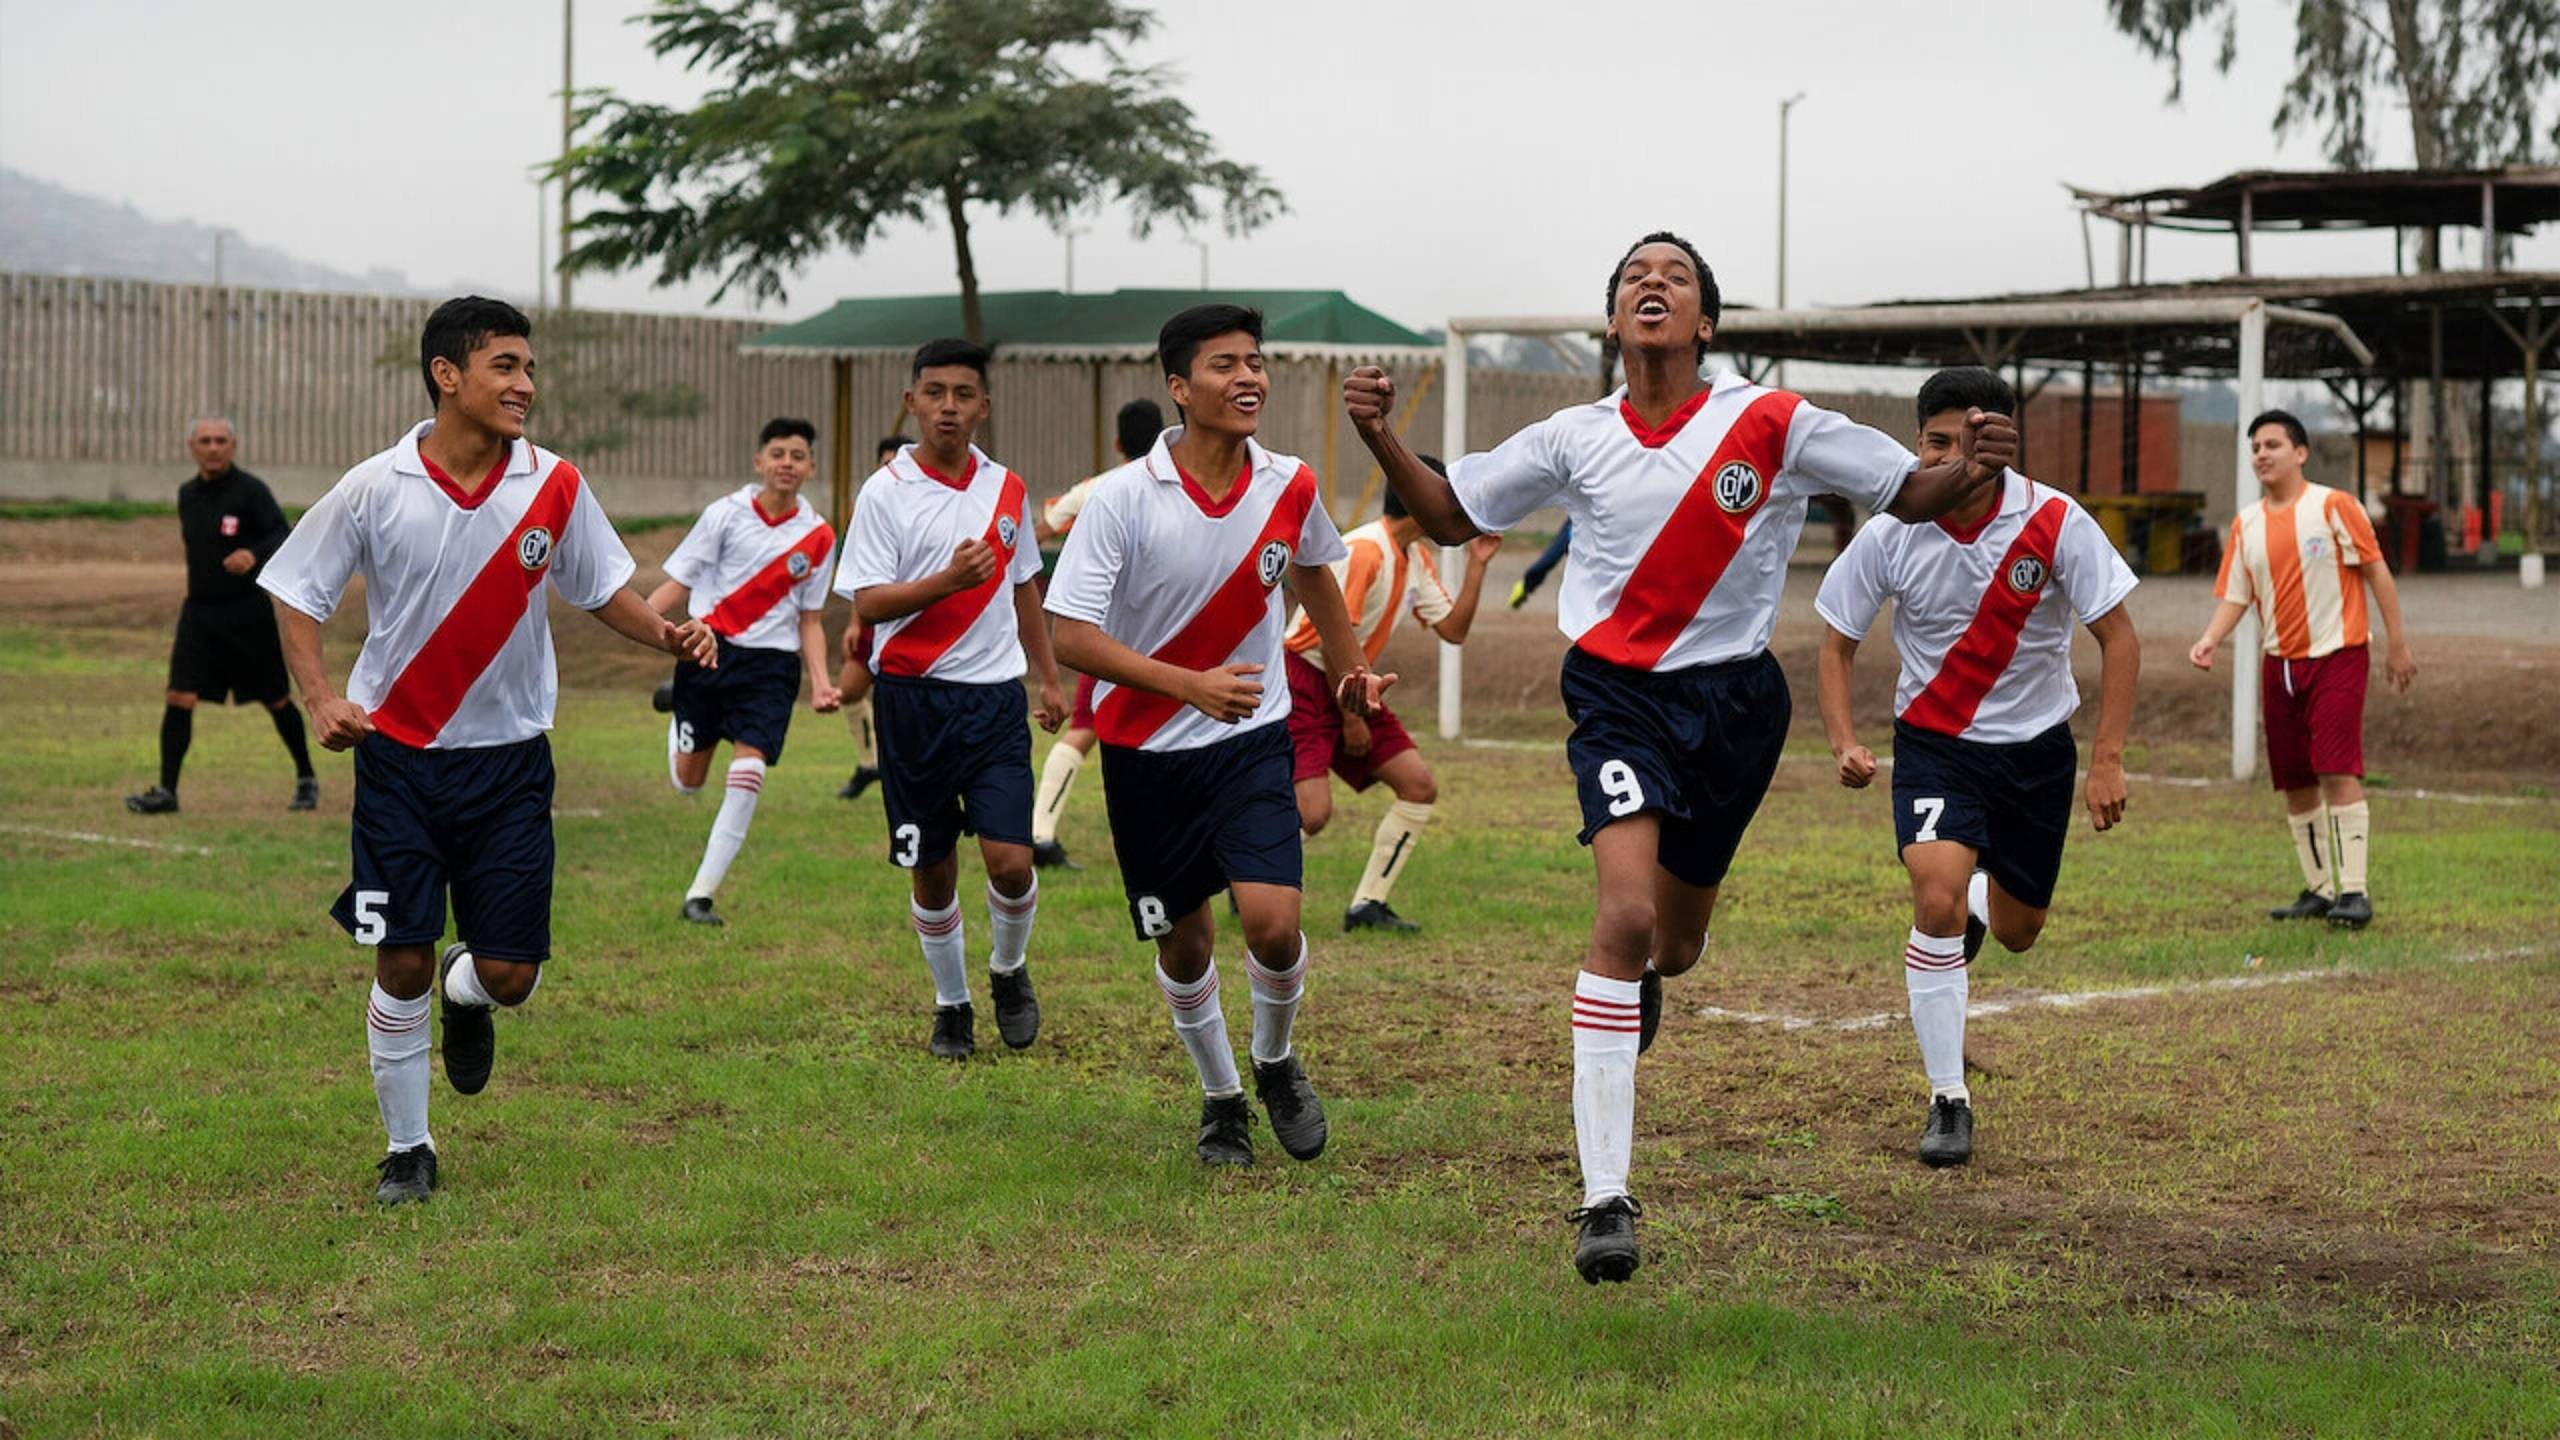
1928, 808
1618, 782
370, 926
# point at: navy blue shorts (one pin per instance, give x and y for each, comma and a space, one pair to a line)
1189, 823
2011, 803
1694, 747
953, 758
746, 701
476, 822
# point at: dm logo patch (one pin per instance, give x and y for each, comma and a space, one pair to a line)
1737, 487
798, 565
1273, 559
534, 550
2027, 574
1004, 531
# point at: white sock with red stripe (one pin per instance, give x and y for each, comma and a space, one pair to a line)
1607, 1016
1275, 1003
1201, 1025
729, 827
395, 1032
1010, 917
946, 950
1933, 971
675, 777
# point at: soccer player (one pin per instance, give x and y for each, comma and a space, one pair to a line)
1686, 499
1534, 578
457, 530
853, 679
754, 569
1985, 600
1168, 595
226, 647
1387, 568
2304, 554
1139, 423
934, 558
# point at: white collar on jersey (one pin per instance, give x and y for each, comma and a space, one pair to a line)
1159, 462
905, 466
406, 460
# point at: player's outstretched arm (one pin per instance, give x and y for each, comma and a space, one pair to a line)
2226, 618
1832, 667
973, 563
1227, 694
1355, 687
339, 721
1033, 624
2119, 667
1368, 395
824, 697
629, 616
1990, 446
1453, 627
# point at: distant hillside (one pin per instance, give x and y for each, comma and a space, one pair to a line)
48, 230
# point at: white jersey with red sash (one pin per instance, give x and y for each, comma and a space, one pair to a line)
752, 574
457, 649
906, 523
1681, 534
1171, 574
1982, 617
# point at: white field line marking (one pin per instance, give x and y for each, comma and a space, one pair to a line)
91, 837
579, 812
2074, 999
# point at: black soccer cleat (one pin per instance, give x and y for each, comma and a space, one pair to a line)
2310, 905
955, 1031
663, 699
698, 911
1226, 1131
407, 1175
154, 801
1376, 915
306, 794
1948, 1138
1297, 1116
1050, 855
1017, 1009
1607, 1249
470, 1035
863, 776
1648, 1008
2351, 911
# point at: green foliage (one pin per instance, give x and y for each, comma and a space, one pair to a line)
2473, 74
835, 119
583, 404
86, 510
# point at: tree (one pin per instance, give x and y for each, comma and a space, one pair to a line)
2473, 73
835, 119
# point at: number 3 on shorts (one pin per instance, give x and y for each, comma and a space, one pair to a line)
1151, 916
910, 839
1618, 782
370, 926
1928, 808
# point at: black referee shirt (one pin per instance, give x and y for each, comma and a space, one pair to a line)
232, 511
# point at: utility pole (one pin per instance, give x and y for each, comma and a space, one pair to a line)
1780, 376
541, 247
568, 119
1203, 247
1070, 232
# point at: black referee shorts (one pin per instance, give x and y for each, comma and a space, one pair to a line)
228, 650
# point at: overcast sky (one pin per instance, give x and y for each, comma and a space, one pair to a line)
1439, 156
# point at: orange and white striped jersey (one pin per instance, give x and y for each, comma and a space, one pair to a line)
1061, 511
2295, 563
1374, 592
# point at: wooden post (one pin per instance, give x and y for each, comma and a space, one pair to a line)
841, 502
1332, 430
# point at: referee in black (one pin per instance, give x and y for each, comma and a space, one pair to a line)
227, 648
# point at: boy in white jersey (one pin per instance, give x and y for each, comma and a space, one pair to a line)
1169, 596
934, 559
1140, 422
1387, 570
449, 698
1985, 599
1686, 500
754, 569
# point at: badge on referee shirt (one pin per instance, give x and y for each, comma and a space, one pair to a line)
1273, 559
230, 525
2027, 574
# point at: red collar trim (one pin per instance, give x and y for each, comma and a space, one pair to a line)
932, 474
1970, 533
756, 504
1217, 509
468, 500
1655, 439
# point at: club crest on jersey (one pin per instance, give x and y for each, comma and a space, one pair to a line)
798, 565
2027, 574
2315, 546
534, 550
1004, 531
1273, 559
1737, 487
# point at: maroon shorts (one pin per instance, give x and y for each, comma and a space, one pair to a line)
1315, 731
1082, 719
2314, 712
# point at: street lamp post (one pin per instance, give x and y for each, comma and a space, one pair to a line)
1069, 234
1203, 247
1783, 107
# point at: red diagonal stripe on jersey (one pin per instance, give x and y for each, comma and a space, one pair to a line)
431, 686
763, 590
1684, 562
938, 626
1127, 716
1974, 662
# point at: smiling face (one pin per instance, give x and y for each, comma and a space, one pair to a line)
784, 464
1226, 387
1659, 305
494, 391
211, 444
950, 402
2274, 456
1942, 437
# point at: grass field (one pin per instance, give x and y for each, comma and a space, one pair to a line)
717, 1187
